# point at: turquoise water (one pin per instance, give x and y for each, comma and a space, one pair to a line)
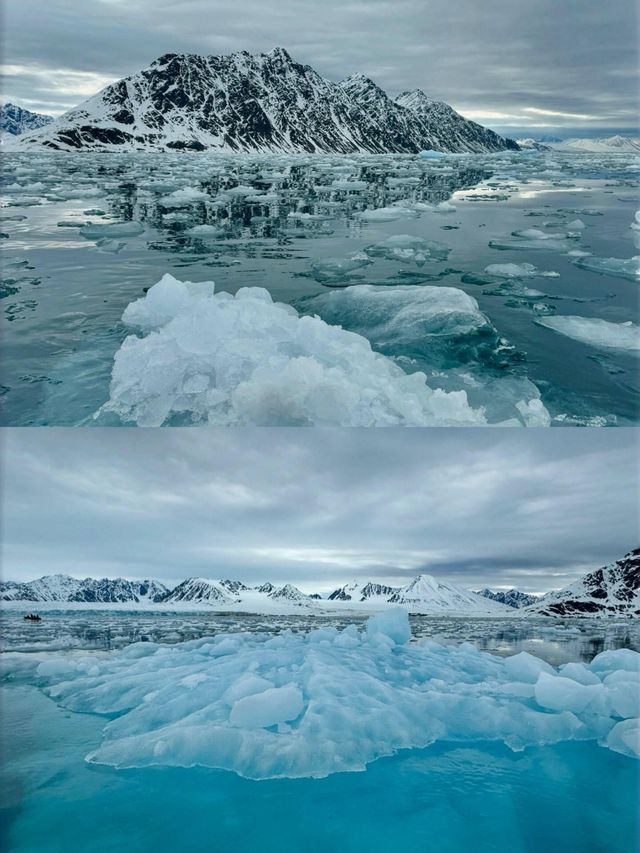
573, 797
66, 282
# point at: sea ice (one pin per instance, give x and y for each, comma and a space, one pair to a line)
312, 704
596, 332
244, 359
518, 271
621, 268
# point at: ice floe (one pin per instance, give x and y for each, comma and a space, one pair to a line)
244, 359
328, 701
596, 332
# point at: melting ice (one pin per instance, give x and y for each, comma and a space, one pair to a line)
300, 705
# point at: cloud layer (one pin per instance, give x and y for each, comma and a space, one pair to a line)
536, 63
319, 507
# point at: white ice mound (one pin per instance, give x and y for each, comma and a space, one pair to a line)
243, 359
518, 271
619, 267
596, 332
308, 705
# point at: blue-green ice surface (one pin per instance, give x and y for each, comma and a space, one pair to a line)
330, 740
85, 235
449, 798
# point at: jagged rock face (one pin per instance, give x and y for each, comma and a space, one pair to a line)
288, 592
612, 590
119, 590
450, 130
65, 588
265, 102
15, 121
197, 589
510, 597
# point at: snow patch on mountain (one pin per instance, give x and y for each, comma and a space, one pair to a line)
510, 597
15, 121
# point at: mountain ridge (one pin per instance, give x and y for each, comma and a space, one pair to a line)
262, 102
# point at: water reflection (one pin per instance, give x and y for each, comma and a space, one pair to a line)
556, 642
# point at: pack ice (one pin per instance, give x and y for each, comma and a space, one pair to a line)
233, 360
309, 705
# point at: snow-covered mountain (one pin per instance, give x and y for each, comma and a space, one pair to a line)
356, 591
265, 102
612, 590
15, 121
65, 588
450, 131
510, 597
200, 589
533, 144
607, 145
426, 594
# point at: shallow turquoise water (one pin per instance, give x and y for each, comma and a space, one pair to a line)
573, 797
64, 291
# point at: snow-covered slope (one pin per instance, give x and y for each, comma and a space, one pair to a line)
426, 594
449, 130
606, 145
265, 102
15, 121
510, 597
65, 588
356, 591
612, 590
200, 589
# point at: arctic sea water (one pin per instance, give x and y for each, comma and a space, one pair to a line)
352, 740
491, 289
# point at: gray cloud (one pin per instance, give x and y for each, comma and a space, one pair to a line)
319, 507
524, 63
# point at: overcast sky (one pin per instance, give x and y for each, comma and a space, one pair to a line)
531, 508
520, 63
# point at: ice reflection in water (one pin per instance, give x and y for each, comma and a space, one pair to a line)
556, 641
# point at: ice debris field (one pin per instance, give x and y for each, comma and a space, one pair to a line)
327, 701
478, 289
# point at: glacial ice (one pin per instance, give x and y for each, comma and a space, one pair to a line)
243, 359
596, 332
619, 267
317, 703
518, 271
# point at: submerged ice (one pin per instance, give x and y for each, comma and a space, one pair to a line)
317, 703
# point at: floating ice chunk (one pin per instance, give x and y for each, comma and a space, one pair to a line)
576, 225
264, 365
351, 186
247, 685
565, 694
392, 623
406, 248
337, 268
446, 207
518, 271
205, 231
595, 332
430, 154
412, 320
183, 197
625, 738
579, 672
385, 214
621, 268
293, 705
537, 234
616, 660
115, 229
273, 706
526, 667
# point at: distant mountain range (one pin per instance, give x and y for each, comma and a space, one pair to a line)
510, 597
15, 121
264, 102
612, 590
607, 145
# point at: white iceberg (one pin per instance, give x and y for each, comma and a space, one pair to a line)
596, 332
